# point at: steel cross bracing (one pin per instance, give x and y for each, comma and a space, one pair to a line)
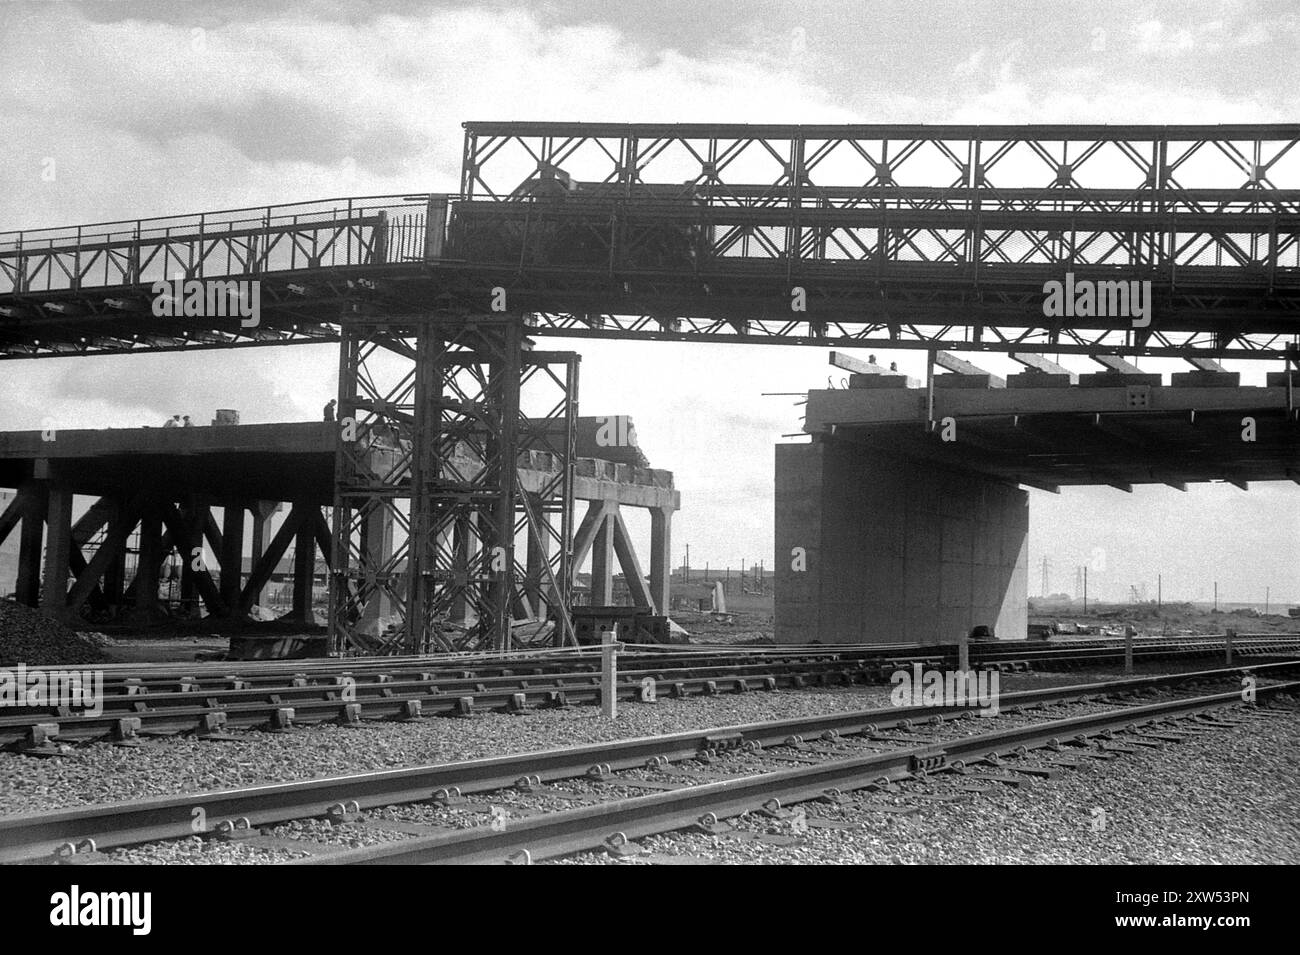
898, 236
454, 509
920, 236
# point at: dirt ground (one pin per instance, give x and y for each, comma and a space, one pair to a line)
1171, 619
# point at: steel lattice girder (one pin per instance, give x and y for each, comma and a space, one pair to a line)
885, 227
885, 224
441, 436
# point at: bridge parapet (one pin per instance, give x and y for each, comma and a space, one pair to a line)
292, 237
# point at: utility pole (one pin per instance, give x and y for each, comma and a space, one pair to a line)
1216, 595
1046, 581
1266, 596
1160, 592
1085, 588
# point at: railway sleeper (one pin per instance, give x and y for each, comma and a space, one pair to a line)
212, 726
42, 740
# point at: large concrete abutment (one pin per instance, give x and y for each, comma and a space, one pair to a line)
894, 549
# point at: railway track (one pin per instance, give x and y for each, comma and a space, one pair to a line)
209, 699
659, 784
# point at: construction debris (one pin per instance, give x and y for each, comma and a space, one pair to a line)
29, 636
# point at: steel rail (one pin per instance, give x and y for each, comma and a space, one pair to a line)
34, 835
130, 705
508, 664
569, 831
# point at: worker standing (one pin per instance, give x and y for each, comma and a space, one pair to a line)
329, 409
173, 422
188, 423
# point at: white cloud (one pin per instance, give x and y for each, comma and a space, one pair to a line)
284, 107
1155, 39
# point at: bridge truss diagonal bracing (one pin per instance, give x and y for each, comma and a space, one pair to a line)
454, 488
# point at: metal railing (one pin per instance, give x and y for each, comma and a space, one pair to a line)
233, 242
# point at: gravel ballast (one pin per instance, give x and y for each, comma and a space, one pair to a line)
1229, 797
101, 772
1136, 801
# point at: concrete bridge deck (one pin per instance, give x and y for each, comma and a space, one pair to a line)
159, 486
904, 523
1134, 430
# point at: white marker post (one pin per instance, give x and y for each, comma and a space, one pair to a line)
609, 672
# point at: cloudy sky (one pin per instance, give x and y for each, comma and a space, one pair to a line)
146, 109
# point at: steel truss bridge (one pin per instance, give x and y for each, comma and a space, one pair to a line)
931, 237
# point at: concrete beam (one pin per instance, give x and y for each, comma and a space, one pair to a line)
1037, 363
856, 365
1039, 485
959, 366
1115, 363
1203, 364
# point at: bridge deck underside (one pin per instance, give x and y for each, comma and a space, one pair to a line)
275, 462
1084, 438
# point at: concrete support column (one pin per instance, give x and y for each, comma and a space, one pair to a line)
115, 575
800, 493
58, 523
263, 513
149, 565
536, 560
464, 543
377, 535
602, 562
661, 527
232, 553
195, 518
304, 564
28, 588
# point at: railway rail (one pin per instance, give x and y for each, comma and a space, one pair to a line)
707, 774
212, 698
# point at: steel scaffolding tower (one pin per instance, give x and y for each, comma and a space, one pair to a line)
432, 517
